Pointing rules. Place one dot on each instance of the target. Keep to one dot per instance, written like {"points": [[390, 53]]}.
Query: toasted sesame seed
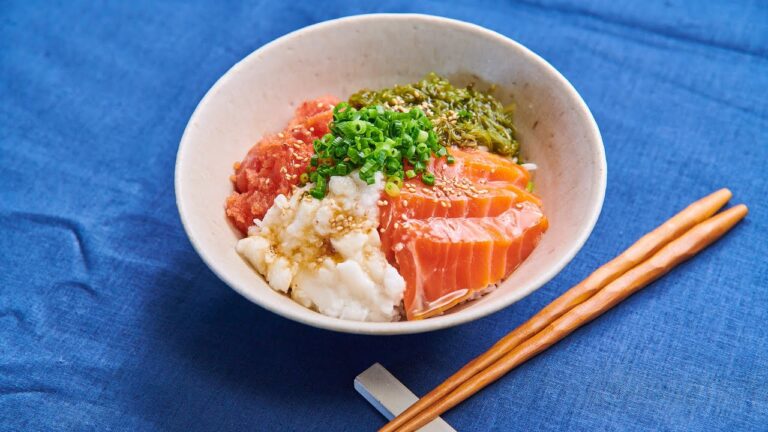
{"points": [[281, 135]]}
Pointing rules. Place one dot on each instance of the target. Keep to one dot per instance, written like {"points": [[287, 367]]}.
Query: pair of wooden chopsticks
{"points": [[655, 254]]}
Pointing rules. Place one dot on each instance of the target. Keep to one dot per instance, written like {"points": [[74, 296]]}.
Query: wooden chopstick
{"points": [[635, 254], [677, 251]]}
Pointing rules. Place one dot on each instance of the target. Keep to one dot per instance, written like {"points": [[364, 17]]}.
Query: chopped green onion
{"points": [[341, 169], [529, 186], [304, 178], [374, 139], [428, 179], [392, 189]]}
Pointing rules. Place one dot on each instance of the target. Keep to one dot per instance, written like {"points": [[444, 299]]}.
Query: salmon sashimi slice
{"points": [[481, 166], [463, 235], [418, 201], [446, 260]]}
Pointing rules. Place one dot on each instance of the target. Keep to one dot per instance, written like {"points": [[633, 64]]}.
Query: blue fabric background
{"points": [[110, 321]]}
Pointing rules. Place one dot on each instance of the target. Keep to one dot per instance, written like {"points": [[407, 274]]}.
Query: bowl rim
{"points": [[481, 310]]}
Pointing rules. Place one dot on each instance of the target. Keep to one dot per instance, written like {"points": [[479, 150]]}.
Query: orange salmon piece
{"points": [[446, 260]]}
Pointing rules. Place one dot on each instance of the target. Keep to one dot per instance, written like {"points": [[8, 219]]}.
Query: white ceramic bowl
{"points": [[258, 95]]}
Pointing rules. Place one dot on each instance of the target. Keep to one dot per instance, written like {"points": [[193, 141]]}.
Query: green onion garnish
{"points": [[373, 139], [391, 189], [529, 186], [428, 179]]}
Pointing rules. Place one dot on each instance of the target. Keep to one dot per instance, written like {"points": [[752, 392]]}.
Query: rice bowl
{"points": [[570, 151]]}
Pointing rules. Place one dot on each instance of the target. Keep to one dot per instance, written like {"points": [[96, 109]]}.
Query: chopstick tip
{"points": [[731, 216], [743, 210], [726, 193]]}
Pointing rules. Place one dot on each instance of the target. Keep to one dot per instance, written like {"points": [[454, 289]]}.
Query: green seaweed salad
{"points": [[464, 117]]}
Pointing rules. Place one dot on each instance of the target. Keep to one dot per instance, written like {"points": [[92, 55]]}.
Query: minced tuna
{"points": [[273, 166]]}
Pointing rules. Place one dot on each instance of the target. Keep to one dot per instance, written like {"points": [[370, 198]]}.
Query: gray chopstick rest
{"points": [[390, 397]]}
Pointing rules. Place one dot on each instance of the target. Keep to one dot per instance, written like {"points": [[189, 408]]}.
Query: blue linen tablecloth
{"points": [[110, 321]]}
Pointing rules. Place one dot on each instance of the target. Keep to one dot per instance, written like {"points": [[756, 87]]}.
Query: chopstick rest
{"points": [[390, 397]]}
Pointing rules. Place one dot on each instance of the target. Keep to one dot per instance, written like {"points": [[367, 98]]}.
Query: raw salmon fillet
{"points": [[480, 166], [274, 164], [465, 234]]}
